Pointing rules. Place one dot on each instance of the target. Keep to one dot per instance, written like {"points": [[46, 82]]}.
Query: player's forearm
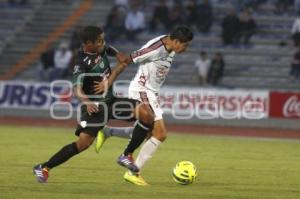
{"points": [[116, 72], [81, 95], [123, 58], [104, 85]]}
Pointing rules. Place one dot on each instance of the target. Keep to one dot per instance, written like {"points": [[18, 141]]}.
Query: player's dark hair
{"points": [[182, 33], [90, 33]]}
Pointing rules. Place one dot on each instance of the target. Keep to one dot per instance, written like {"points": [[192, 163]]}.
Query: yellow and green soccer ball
{"points": [[184, 173]]}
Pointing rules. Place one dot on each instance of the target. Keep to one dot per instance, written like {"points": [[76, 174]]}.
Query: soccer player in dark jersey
{"points": [[91, 67]]}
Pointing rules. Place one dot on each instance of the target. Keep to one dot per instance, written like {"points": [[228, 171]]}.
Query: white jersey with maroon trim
{"points": [[154, 64]]}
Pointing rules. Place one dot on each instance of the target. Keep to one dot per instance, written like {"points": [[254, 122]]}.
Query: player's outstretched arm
{"points": [[100, 87], [123, 58]]}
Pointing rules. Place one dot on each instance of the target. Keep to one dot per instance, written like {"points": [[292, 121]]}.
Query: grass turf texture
{"points": [[228, 168]]}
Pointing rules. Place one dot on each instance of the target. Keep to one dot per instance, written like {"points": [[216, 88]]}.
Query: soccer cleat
{"points": [[100, 140], [136, 179], [128, 162], [41, 174]]}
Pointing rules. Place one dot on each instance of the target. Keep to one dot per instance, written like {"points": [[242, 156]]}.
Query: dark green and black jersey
{"points": [[92, 67]]}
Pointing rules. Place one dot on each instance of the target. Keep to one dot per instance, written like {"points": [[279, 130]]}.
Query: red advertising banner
{"points": [[284, 105]]}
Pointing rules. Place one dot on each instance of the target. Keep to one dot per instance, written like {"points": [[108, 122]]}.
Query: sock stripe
{"points": [[153, 142], [143, 126]]}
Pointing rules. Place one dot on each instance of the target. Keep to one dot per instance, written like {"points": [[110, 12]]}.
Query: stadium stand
{"points": [[265, 64], [13, 18], [35, 35]]}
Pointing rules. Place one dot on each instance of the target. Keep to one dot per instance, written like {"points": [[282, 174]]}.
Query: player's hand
{"points": [[100, 87], [123, 58], [92, 108]]}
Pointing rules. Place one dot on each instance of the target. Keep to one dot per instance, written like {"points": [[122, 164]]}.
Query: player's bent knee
{"points": [[83, 146], [162, 136], [84, 142], [80, 146]]}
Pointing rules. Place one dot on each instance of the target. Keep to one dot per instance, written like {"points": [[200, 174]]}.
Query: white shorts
{"points": [[148, 97]]}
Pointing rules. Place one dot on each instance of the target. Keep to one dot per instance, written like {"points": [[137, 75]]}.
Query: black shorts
{"points": [[119, 108]]}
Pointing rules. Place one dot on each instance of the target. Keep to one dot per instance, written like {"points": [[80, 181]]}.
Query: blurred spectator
{"points": [[115, 23], [47, 64], [247, 27], [202, 64], [216, 69], [295, 66], [204, 16], [160, 16], [75, 42], [296, 31], [134, 23], [62, 59], [176, 16], [230, 28]]}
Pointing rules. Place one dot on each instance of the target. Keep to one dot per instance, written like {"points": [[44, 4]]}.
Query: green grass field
{"points": [[228, 168]]}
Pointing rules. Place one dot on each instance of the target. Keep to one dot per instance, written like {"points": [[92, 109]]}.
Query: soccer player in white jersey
{"points": [[154, 60]]}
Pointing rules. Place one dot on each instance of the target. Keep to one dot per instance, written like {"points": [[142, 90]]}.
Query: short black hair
{"points": [[182, 33], [90, 33]]}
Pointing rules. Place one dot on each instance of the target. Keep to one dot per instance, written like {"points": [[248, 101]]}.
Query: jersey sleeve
{"points": [[146, 54], [111, 50], [77, 78]]}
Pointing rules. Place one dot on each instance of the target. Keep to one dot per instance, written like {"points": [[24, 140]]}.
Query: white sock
{"points": [[123, 132], [147, 151]]}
